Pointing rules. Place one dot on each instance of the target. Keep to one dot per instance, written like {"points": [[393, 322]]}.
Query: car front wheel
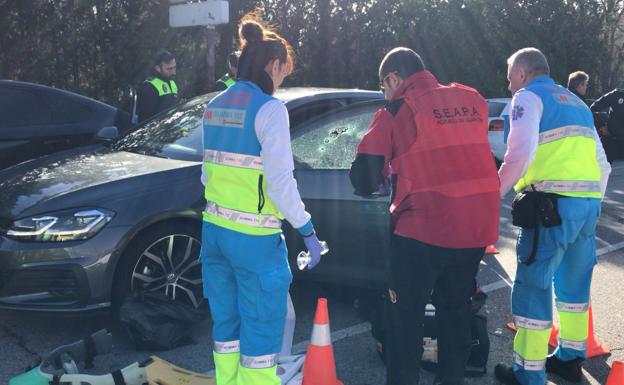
{"points": [[166, 260]]}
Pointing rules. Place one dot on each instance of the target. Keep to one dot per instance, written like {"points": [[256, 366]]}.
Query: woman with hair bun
{"points": [[249, 190]]}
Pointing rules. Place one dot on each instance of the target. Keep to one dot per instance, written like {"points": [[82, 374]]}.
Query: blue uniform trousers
{"points": [[566, 255], [246, 280]]}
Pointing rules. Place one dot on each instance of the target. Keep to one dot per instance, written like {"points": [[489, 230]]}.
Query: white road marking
{"points": [[490, 287], [609, 248], [336, 336]]}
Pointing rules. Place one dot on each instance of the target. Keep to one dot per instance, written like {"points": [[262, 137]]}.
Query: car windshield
{"points": [[495, 108], [175, 135]]}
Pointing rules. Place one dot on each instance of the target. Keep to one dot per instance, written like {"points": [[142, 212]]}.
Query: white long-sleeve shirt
{"points": [[526, 113], [273, 132]]}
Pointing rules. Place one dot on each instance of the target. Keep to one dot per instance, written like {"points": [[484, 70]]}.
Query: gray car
{"points": [[81, 228]]}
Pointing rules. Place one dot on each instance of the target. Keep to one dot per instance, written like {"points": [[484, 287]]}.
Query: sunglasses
{"points": [[381, 84]]}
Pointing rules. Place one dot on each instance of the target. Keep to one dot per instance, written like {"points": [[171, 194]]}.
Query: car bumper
{"points": [[58, 277]]}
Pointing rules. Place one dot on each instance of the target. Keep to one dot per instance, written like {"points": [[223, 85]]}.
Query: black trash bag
{"points": [[479, 352], [156, 322]]}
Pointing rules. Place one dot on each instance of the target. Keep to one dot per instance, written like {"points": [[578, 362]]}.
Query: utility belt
{"points": [[530, 209]]}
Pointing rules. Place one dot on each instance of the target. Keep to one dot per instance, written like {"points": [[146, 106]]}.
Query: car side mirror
{"points": [[106, 134]]}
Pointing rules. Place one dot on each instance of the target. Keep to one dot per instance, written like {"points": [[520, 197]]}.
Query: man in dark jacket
{"points": [[612, 135], [431, 141], [158, 92], [577, 84]]}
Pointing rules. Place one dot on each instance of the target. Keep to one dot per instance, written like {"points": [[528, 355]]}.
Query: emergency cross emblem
{"points": [[517, 112]]}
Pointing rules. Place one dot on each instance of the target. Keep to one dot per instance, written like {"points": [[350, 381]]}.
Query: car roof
{"points": [[500, 100], [290, 93], [52, 91]]}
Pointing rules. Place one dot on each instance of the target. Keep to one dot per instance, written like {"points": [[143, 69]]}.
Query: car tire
{"points": [[164, 258]]}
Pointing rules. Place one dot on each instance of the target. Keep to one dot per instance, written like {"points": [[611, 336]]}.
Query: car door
{"points": [[355, 227]]}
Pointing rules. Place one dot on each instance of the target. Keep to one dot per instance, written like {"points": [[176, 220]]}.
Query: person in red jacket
{"points": [[431, 142]]}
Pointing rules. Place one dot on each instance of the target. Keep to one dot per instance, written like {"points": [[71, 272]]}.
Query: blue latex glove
{"points": [[314, 248]]}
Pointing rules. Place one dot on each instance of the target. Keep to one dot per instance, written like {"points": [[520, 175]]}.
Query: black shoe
{"points": [[568, 370], [504, 374]]}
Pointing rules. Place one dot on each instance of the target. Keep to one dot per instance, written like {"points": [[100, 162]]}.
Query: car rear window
{"points": [[22, 108], [495, 109]]}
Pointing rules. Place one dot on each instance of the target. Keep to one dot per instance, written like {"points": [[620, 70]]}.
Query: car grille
{"points": [[58, 283]]}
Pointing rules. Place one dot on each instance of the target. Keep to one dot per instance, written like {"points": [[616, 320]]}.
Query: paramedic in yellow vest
{"points": [[249, 189], [159, 91], [553, 148]]}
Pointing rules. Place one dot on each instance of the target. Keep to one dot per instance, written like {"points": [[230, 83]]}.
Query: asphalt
{"points": [[24, 337]]}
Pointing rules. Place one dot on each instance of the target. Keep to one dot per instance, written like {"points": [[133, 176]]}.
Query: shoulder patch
{"points": [[394, 106]]}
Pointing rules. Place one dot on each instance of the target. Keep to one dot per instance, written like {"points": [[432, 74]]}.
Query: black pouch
{"points": [[532, 208], [524, 210]]}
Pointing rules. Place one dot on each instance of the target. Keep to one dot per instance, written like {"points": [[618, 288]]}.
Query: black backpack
{"points": [[477, 361], [156, 322]]}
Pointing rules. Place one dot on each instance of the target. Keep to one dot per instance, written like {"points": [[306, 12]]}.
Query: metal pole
{"points": [[211, 38]]}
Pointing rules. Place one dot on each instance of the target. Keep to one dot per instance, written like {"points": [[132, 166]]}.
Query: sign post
{"points": [[208, 13]]}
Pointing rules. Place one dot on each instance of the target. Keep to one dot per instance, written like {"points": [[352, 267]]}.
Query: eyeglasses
{"points": [[381, 84]]}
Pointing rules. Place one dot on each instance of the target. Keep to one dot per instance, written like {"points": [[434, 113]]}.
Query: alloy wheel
{"points": [[171, 265]]}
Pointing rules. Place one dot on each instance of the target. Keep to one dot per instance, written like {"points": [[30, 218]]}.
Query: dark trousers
{"points": [[613, 147], [415, 270]]}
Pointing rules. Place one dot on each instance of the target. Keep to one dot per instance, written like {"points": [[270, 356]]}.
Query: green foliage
{"points": [[100, 47]]}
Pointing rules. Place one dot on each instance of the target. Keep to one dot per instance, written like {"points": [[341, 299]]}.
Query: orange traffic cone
{"points": [[319, 367], [594, 347], [616, 375], [554, 334], [491, 250]]}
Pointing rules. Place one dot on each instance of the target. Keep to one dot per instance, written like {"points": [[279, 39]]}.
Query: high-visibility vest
{"points": [[235, 188], [163, 87], [451, 154], [227, 80], [565, 161]]}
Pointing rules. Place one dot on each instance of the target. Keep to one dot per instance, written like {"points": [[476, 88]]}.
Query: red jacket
{"points": [[435, 139]]}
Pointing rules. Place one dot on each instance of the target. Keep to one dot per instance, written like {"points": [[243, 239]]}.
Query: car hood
{"points": [[35, 182]]}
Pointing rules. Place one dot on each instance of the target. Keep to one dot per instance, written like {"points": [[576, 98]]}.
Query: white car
{"points": [[498, 113]]}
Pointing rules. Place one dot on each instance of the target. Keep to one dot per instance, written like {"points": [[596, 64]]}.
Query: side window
{"points": [[308, 111], [330, 141], [22, 108], [67, 110]]}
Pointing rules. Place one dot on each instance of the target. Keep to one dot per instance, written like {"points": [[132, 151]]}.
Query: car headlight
{"points": [[61, 226]]}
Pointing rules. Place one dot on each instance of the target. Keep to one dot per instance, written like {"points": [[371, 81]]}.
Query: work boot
{"points": [[568, 370], [504, 374]]}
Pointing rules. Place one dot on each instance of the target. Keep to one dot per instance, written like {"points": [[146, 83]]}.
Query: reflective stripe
{"points": [[227, 347], [259, 362], [529, 365], [255, 220], [565, 132], [233, 159], [532, 324], [569, 186], [576, 345], [321, 335], [572, 307]]}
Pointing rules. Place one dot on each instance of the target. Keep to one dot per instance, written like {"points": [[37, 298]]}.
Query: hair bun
{"points": [[251, 31]]}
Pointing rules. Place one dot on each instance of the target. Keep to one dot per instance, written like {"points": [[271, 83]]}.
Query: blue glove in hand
{"points": [[314, 248]]}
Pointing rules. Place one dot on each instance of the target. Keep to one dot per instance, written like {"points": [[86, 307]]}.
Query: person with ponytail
{"points": [[249, 189]]}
